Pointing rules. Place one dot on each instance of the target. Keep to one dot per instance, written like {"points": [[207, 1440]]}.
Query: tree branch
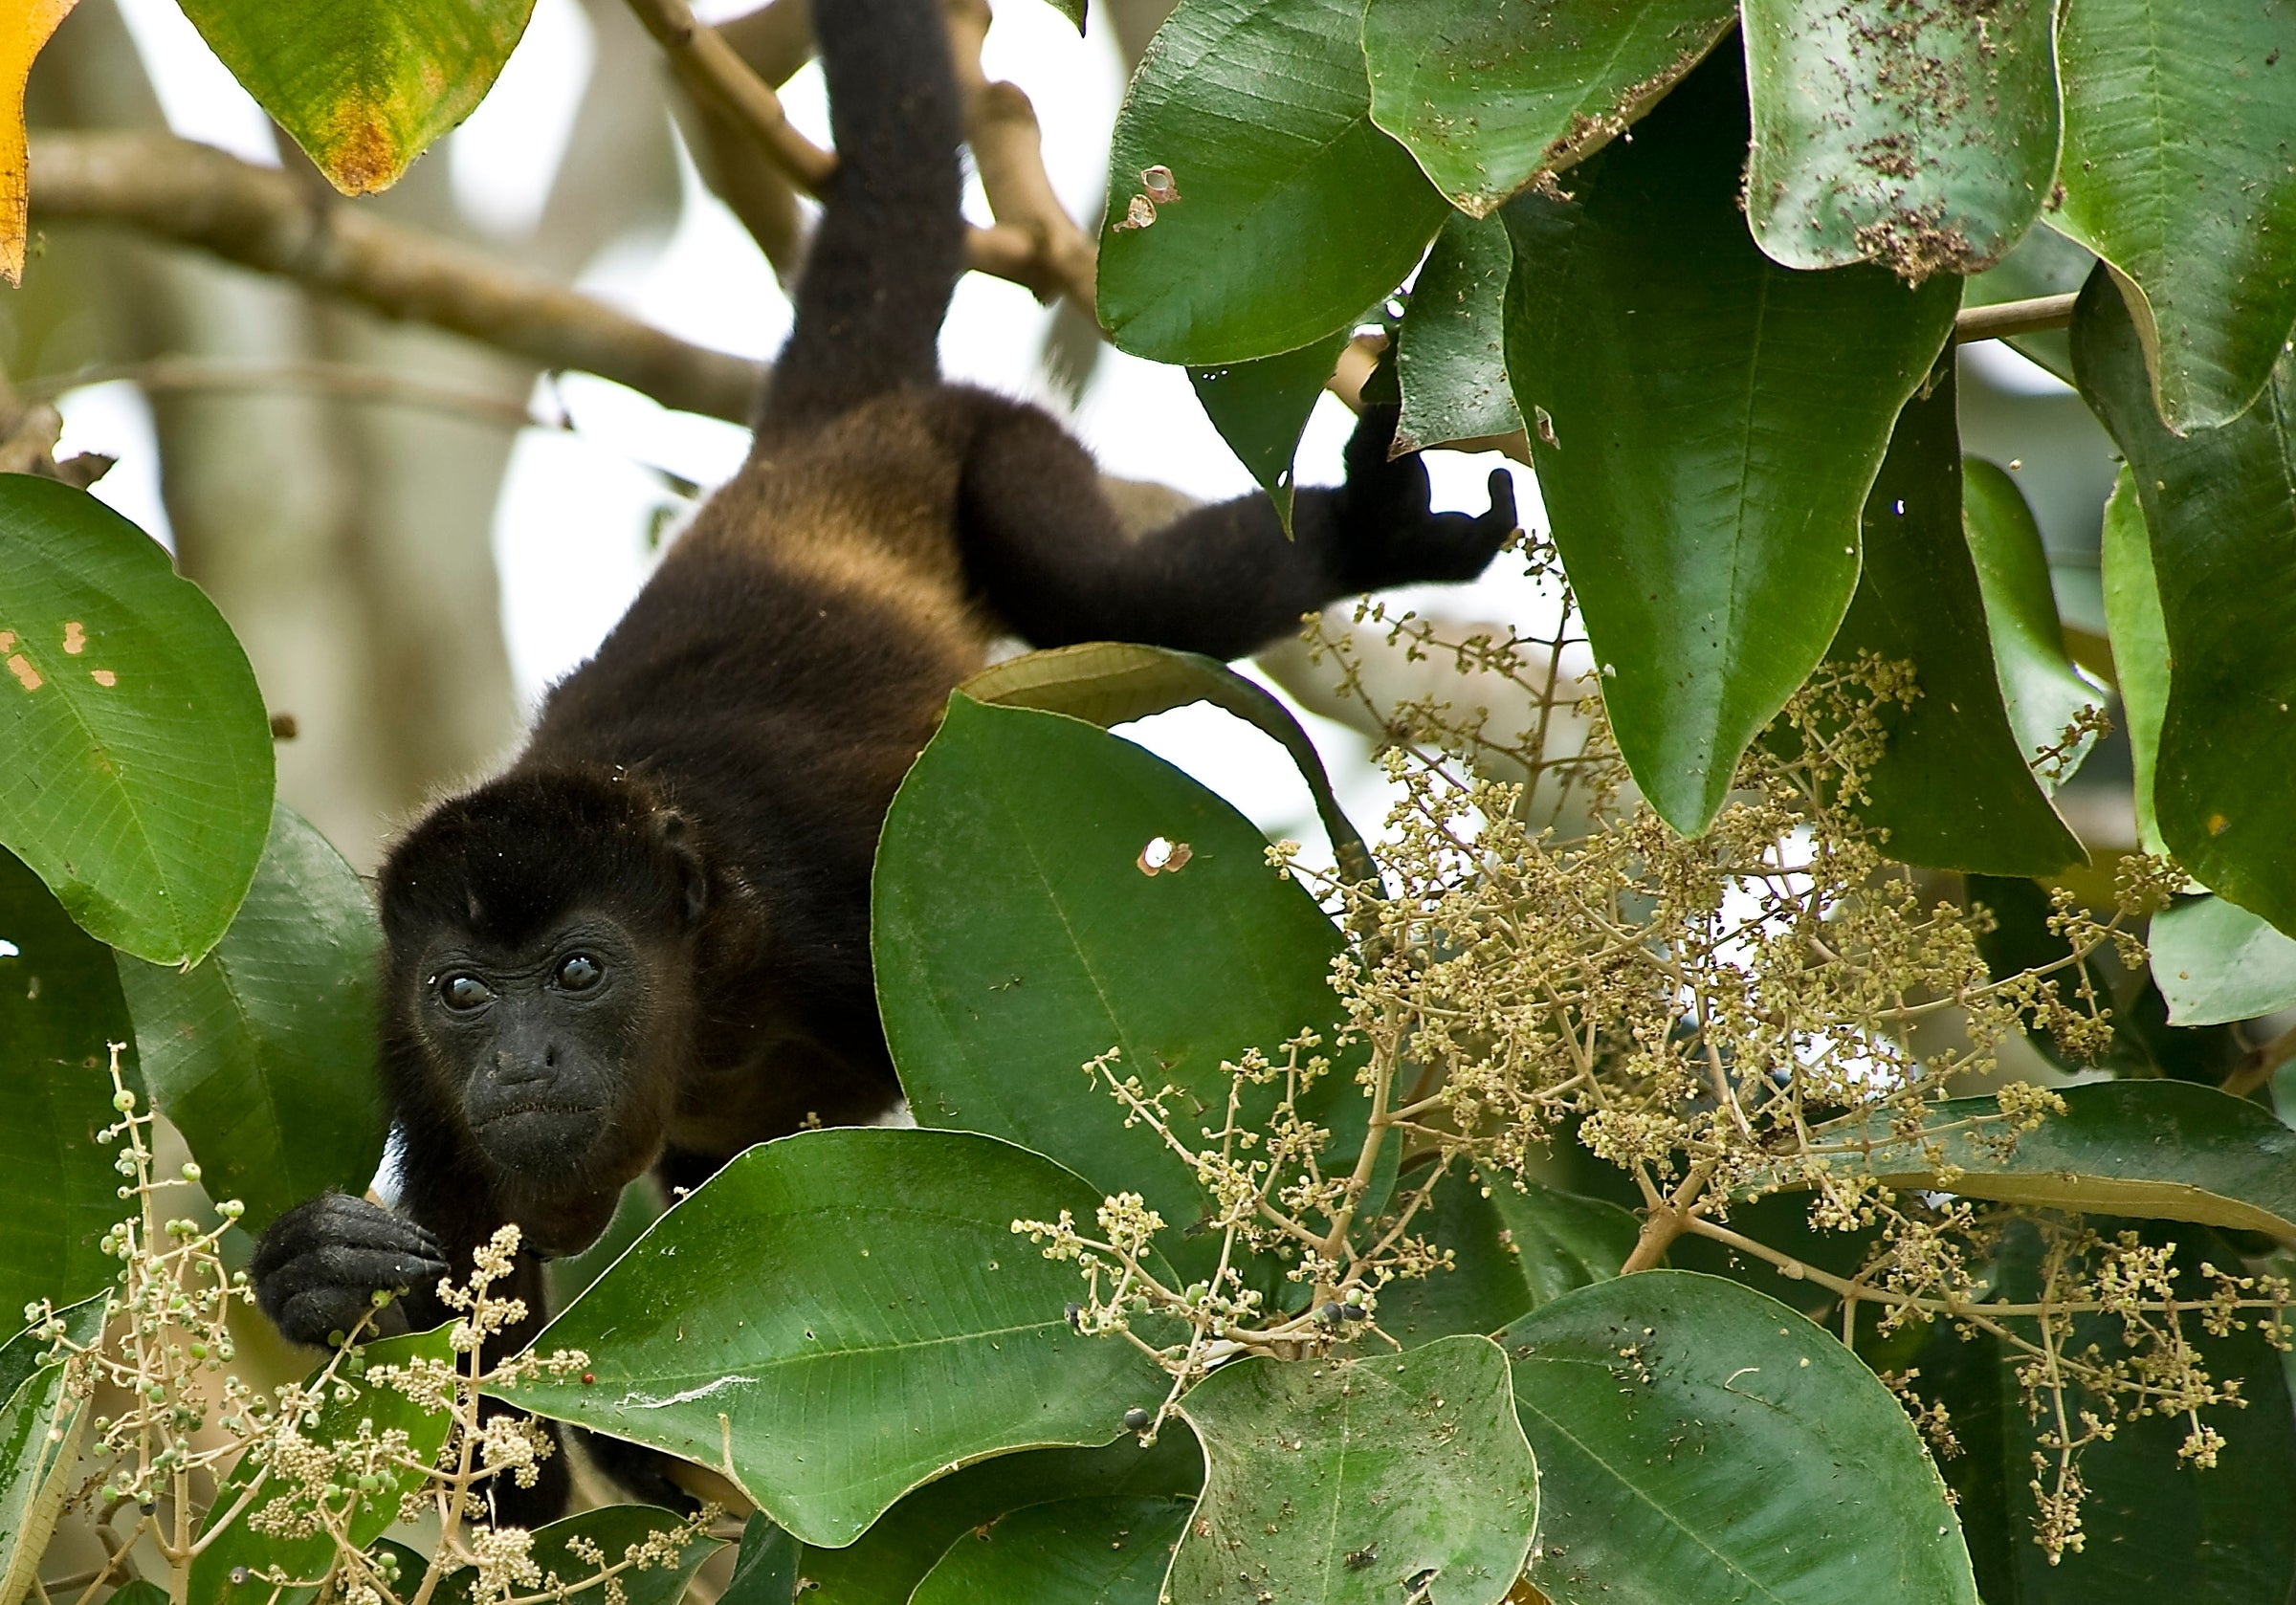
{"points": [[261, 219], [711, 69], [2004, 318]]}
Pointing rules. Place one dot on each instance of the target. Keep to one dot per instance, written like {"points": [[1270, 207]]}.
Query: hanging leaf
{"points": [[1355, 1481], [1451, 347], [1252, 207], [2221, 513], [1261, 410], [1706, 424], [837, 1317], [24, 29], [2140, 644], [2177, 125], [41, 1425], [1923, 138], [1698, 1440], [1489, 96], [363, 86], [1951, 786], [765, 1567], [2043, 693], [1074, 1551], [264, 1055], [137, 783], [1514, 1249], [2215, 962], [59, 1007]]}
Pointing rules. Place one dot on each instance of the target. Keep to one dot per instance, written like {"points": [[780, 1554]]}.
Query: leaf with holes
{"points": [[1660, 1403], [842, 1315], [1362, 1480], [137, 783], [1489, 96], [1706, 424], [1253, 207], [264, 1055], [1921, 137], [363, 86]]}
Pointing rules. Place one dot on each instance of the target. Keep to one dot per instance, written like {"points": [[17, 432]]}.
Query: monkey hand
{"points": [[318, 1266], [1387, 534]]}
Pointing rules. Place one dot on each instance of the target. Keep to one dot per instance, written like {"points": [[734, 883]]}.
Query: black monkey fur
{"points": [[645, 945]]}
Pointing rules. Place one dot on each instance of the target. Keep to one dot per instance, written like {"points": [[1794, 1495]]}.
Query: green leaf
{"points": [[2140, 643], [1252, 207], [137, 783], [1951, 786], [1451, 347], [1113, 682], [1489, 96], [1513, 1247], [2177, 126], [1349, 1481], [639, 1207], [2041, 688], [839, 1317], [1070, 948], [1700, 1442], [59, 1007], [1704, 425], [362, 1517], [1078, 1552], [1261, 408], [2215, 962], [888, 1562], [2157, 1527], [765, 1568], [264, 1056], [2165, 1150], [40, 1428], [1923, 138], [2221, 511], [617, 1529], [363, 86]]}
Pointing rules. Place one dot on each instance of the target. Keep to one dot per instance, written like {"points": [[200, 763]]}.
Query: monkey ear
{"points": [[676, 838]]}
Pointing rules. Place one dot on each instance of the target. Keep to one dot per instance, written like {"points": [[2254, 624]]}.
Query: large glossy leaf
{"points": [[836, 1317], [1451, 347], [1489, 96], [1700, 1442], [362, 1516], [1951, 786], [264, 1055], [1920, 136], [2042, 690], [2167, 1150], [2157, 1527], [40, 1428], [137, 775], [1354, 1482], [765, 1567], [2140, 644], [363, 86], [1069, 947], [2215, 962], [1078, 1552], [888, 1562], [2177, 126], [2221, 506], [1252, 207], [1113, 682], [59, 1008], [1261, 410], [1514, 1249], [617, 1530], [24, 29], [1706, 424]]}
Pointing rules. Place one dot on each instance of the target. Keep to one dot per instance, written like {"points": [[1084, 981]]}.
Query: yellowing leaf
{"points": [[25, 26]]}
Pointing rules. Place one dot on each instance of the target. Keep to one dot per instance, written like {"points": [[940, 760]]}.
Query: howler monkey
{"points": [[646, 944]]}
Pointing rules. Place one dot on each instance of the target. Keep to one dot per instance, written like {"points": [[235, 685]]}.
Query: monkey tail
{"points": [[890, 244]]}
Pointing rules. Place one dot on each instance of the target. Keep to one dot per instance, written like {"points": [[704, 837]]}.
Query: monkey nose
{"points": [[518, 1068]]}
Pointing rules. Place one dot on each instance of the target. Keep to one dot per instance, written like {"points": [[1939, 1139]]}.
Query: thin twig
{"points": [[2005, 318], [2257, 1064], [711, 68]]}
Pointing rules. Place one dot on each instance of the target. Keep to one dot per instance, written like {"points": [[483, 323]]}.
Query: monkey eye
{"points": [[464, 992], [580, 972]]}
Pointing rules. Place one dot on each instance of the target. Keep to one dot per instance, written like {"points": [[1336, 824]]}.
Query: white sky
{"points": [[571, 526]]}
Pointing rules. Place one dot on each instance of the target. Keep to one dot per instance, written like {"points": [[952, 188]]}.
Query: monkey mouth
{"points": [[540, 1142]]}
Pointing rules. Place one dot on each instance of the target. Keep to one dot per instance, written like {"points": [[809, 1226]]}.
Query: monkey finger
{"points": [[1501, 486], [317, 1314]]}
